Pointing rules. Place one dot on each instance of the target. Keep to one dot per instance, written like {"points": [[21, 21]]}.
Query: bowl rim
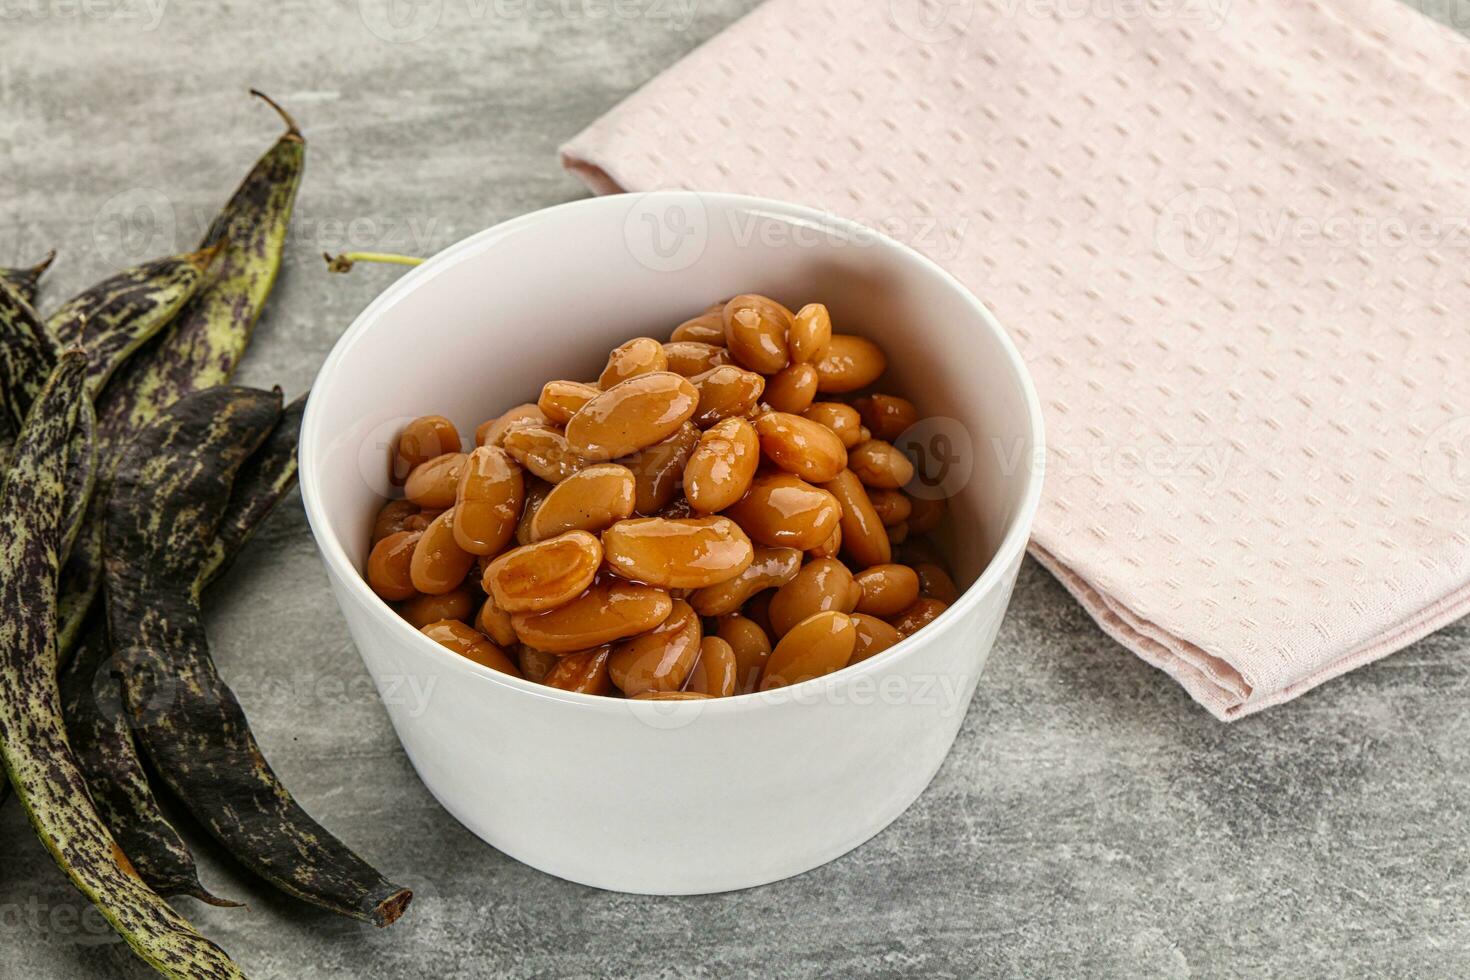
{"points": [[1012, 544]]}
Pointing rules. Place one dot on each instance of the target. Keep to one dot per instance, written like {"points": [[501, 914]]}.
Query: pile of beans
{"points": [[693, 523]]}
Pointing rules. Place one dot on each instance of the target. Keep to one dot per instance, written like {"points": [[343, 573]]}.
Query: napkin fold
{"points": [[1232, 240]]}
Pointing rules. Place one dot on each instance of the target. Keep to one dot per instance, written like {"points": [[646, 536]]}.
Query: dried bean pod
{"points": [[82, 574], [121, 313], [37, 757], [200, 348], [25, 281], [168, 498], [108, 756], [266, 477], [81, 477], [97, 727], [26, 356]]}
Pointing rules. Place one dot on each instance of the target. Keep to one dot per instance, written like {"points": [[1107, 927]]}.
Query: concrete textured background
{"points": [[1091, 819]]}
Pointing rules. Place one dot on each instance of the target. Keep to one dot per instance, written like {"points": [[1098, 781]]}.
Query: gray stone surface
{"points": [[1091, 819]]}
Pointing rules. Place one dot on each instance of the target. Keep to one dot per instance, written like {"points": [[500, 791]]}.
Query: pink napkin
{"points": [[1231, 237]]}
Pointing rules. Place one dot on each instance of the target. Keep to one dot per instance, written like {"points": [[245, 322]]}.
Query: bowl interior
{"points": [[483, 325]]}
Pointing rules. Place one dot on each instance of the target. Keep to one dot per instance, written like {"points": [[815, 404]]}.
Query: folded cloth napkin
{"points": [[1231, 238]]}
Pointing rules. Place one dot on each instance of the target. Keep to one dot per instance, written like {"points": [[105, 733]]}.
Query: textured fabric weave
{"points": [[1229, 236]]}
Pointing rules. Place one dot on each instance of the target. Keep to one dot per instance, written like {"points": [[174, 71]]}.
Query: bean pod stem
{"points": [[345, 261]]}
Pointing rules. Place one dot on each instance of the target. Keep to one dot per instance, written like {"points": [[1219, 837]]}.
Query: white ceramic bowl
{"points": [[671, 797]]}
